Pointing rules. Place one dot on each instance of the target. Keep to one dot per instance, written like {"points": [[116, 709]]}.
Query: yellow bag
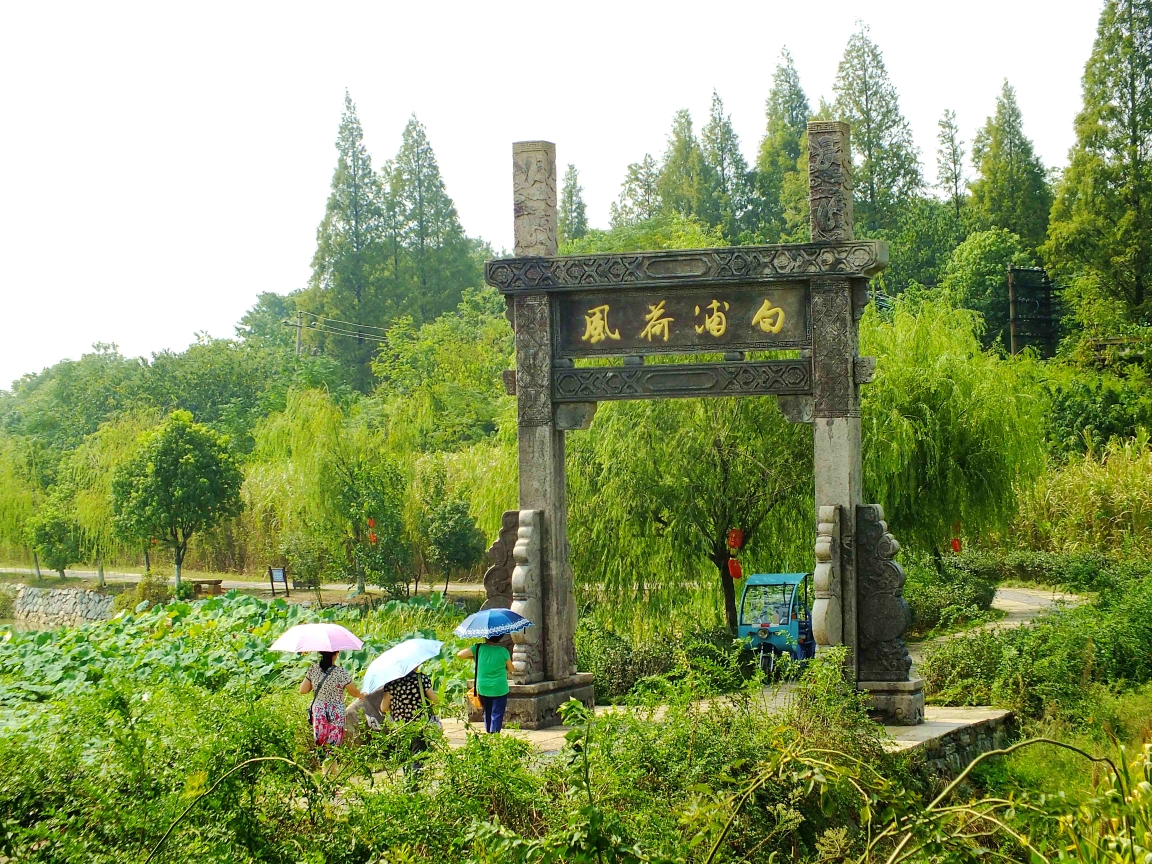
{"points": [[473, 699]]}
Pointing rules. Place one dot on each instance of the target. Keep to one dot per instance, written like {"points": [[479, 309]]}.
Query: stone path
{"points": [[939, 723], [1019, 605]]}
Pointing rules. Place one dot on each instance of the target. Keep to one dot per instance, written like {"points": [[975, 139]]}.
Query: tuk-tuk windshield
{"points": [[766, 604]]}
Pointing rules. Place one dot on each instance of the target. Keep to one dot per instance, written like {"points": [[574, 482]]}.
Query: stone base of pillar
{"points": [[899, 703], [536, 706]]}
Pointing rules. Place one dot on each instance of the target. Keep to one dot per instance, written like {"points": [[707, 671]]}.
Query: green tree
{"points": [[51, 533], [346, 268], [182, 480], [1101, 228], [438, 261], [639, 194], [950, 167], [886, 171], [976, 277], [728, 169], [656, 486], [787, 112], [573, 217], [921, 243], [950, 430], [685, 184], [1011, 190], [454, 541]]}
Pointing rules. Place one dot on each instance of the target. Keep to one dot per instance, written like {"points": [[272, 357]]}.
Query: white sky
{"points": [[162, 163]]}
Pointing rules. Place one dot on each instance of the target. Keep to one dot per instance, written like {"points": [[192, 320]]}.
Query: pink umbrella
{"points": [[316, 637]]}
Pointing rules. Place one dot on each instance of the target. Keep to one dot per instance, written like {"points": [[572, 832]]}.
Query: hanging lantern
{"points": [[372, 539], [734, 569], [735, 538], [956, 545], [371, 522]]}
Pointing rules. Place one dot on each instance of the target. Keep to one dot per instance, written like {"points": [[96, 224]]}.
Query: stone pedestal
{"points": [[899, 703], [537, 706]]}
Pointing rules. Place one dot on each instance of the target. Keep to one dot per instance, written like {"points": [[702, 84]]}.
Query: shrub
{"points": [[151, 589], [945, 599], [7, 601]]}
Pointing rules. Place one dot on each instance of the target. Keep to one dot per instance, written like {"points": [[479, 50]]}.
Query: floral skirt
{"points": [[328, 724]]}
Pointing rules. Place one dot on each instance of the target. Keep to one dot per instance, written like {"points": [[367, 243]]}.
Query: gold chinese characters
{"points": [[596, 328], [715, 321], [657, 325], [769, 318]]}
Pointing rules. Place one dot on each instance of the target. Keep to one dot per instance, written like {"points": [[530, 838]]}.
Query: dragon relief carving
{"points": [[882, 613]]}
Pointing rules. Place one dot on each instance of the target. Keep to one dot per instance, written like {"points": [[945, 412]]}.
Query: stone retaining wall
{"points": [[53, 607], [948, 754]]}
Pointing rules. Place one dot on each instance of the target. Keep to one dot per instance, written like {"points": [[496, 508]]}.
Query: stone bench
{"points": [[206, 587]]}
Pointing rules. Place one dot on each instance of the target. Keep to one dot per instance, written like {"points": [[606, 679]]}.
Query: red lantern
{"points": [[735, 538], [372, 538], [734, 569], [154, 541], [956, 545], [371, 522]]}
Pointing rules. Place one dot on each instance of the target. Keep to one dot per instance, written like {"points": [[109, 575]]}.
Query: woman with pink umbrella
{"points": [[326, 681]]}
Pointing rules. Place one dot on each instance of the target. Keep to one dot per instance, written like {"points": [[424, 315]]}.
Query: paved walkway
{"points": [[1019, 605], [938, 722]]}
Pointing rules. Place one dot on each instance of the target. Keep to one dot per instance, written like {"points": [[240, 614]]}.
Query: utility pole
{"points": [[299, 329]]}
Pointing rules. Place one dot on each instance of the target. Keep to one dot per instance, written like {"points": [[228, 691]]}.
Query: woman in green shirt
{"points": [[493, 665]]}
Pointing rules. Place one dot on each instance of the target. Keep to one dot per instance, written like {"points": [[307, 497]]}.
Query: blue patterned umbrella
{"points": [[492, 622]]}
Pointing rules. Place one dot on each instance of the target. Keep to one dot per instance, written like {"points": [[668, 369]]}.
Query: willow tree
{"points": [[322, 473], [86, 478], [950, 430], [18, 498], [656, 486]]}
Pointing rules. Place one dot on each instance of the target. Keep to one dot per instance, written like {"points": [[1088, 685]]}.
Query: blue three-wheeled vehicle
{"points": [[775, 617]]}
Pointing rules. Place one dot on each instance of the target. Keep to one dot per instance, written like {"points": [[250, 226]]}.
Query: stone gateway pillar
{"points": [[544, 655], [803, 301]]}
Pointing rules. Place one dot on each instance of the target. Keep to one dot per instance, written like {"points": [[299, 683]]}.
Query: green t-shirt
{"points": [[491, 673]]}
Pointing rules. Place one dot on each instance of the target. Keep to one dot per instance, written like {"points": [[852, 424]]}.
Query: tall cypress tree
{"points": [[886, 170], [346, 265], [639, 193], [787, 112], [440, 259], [950, 165], [573, 216], [1011, 190], [729, 169], [1101, 229], [685, 184]]}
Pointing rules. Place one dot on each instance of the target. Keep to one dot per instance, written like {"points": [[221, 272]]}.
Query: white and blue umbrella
{"points": [[398, 661], [492, 622]]}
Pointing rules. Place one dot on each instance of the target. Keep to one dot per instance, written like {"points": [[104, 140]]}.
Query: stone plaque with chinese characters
{"points": [[684, 321]]}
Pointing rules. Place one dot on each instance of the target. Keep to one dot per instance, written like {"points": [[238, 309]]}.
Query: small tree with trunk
{"points": [[181, 481], [454, 541], [53, 536]]}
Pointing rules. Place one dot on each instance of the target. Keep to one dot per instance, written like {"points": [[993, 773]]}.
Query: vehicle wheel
{"points": [[768, 662]]}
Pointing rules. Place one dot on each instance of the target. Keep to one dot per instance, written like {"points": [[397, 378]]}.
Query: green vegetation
{"points": [[376, 445]]}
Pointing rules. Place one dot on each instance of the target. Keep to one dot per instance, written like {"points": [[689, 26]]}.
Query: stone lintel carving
{"points": [[682, 380], [833, 350], [797, 409], [498, 576], [882, 613], [827, 611], [534, 197], [864, 369], [830, 181], [533, 360], [688, 267], [527, 598], [575, 416]]}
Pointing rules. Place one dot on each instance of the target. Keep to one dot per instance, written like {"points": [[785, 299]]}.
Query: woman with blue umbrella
{"points": [[492, 662]]}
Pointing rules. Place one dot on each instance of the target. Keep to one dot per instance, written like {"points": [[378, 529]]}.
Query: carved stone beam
{"points": [[527, 599]]}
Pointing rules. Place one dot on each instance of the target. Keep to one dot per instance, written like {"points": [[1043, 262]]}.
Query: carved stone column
{"points": [[827, 609], [541, 444], [527, 652], [835, 404], [884, 663]]}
